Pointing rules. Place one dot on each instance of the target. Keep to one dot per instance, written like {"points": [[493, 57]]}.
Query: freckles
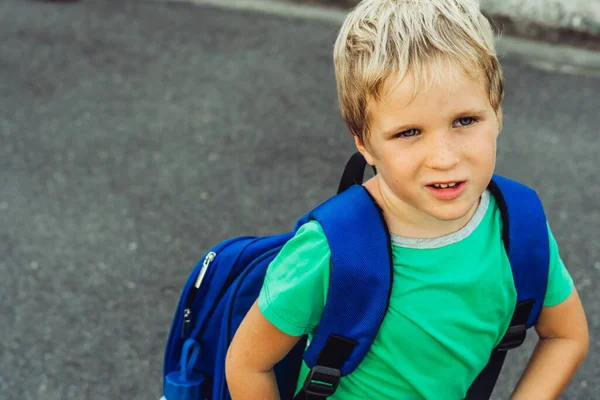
{"points": [[464, 147]]}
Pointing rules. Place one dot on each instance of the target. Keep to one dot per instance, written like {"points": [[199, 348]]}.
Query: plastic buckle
{"points": [[322, 381], [514, 337]]}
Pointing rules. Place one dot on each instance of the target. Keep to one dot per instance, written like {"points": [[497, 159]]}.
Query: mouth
{"points": [[447, 190]]}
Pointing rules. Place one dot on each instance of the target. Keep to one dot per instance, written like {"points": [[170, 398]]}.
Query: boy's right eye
{"points": [[407, 133]]}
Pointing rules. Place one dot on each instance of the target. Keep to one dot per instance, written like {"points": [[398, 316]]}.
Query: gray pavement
{"points": [[133, 136]]}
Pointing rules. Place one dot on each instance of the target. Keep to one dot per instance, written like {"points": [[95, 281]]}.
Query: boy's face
{"points": [[446, 135]]}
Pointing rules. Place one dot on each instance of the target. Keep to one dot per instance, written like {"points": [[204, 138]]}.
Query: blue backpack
{"points": [[227, 281]]}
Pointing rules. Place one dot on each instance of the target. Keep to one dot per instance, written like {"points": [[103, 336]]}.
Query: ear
{"points": [[500, 120], [362, 148]]}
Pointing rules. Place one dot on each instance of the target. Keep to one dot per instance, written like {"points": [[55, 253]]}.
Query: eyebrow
{"points": [[399, 129], [462, 114], [471, 111]]}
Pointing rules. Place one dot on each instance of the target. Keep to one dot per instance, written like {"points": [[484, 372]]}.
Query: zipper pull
{"points": [[187, 312], [209, 258], [187, 319]]}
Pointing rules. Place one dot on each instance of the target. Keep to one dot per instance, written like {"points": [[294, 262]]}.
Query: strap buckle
{"points": [[322, 381], [517, 331], [513, 338]]}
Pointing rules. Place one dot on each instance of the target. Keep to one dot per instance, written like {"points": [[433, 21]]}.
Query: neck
{"points": [[405, 220]]}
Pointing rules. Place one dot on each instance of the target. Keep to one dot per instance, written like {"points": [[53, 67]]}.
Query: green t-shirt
{"points": [[452, 299]]}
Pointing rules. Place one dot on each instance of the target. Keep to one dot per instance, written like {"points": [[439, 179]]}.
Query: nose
{"points": [[444, 151]]}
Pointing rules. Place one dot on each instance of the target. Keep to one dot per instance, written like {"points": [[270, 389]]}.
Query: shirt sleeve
{"points": [[295, 288], [560, 282]]}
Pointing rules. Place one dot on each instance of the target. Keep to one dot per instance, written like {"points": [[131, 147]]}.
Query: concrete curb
{"points": [[508, 25], [569, 22], [551, 57], [573, 23], [577, 15]]}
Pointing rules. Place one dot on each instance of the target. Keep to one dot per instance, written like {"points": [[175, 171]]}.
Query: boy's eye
{"points": [[408, 133], [464, 121]]}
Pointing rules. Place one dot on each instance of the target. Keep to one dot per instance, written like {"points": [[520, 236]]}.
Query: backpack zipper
{"points": [[187, 312]]}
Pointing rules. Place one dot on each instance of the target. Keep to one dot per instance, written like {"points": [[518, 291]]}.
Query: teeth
{"points": [[445, 185]]}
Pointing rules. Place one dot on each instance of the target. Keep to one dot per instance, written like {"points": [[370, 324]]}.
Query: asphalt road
{"points": [[134, 135]]}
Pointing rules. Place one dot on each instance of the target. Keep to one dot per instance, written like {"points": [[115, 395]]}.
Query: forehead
{"points": [[439, 89]]}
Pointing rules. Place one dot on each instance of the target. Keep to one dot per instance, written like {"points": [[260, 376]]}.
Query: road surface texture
{"points": [[135, 135]]}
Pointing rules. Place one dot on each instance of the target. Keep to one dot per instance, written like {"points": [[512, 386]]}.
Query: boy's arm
{"points": [[290, 305], [563, 344], [256, 347]]}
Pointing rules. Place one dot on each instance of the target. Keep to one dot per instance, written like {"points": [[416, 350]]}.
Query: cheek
{"points": [[481, 146], [399, 168]]}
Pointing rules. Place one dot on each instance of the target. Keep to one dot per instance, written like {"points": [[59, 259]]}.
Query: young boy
{"points": [[420, 88]]}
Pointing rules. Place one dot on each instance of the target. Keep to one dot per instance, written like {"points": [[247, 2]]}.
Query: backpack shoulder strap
{"points": [[359, 288], [525, 238]]}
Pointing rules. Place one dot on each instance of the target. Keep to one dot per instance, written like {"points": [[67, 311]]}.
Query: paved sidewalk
{"points": [[134, 135]]}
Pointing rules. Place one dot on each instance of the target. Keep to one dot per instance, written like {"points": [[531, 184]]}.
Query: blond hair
{"points": [[384, 38]]}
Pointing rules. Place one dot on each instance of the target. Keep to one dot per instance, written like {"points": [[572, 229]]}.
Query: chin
{"points": [[453, 212]]}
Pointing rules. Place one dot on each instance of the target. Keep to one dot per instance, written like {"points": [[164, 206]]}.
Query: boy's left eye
{"points": [[464, 121]]}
